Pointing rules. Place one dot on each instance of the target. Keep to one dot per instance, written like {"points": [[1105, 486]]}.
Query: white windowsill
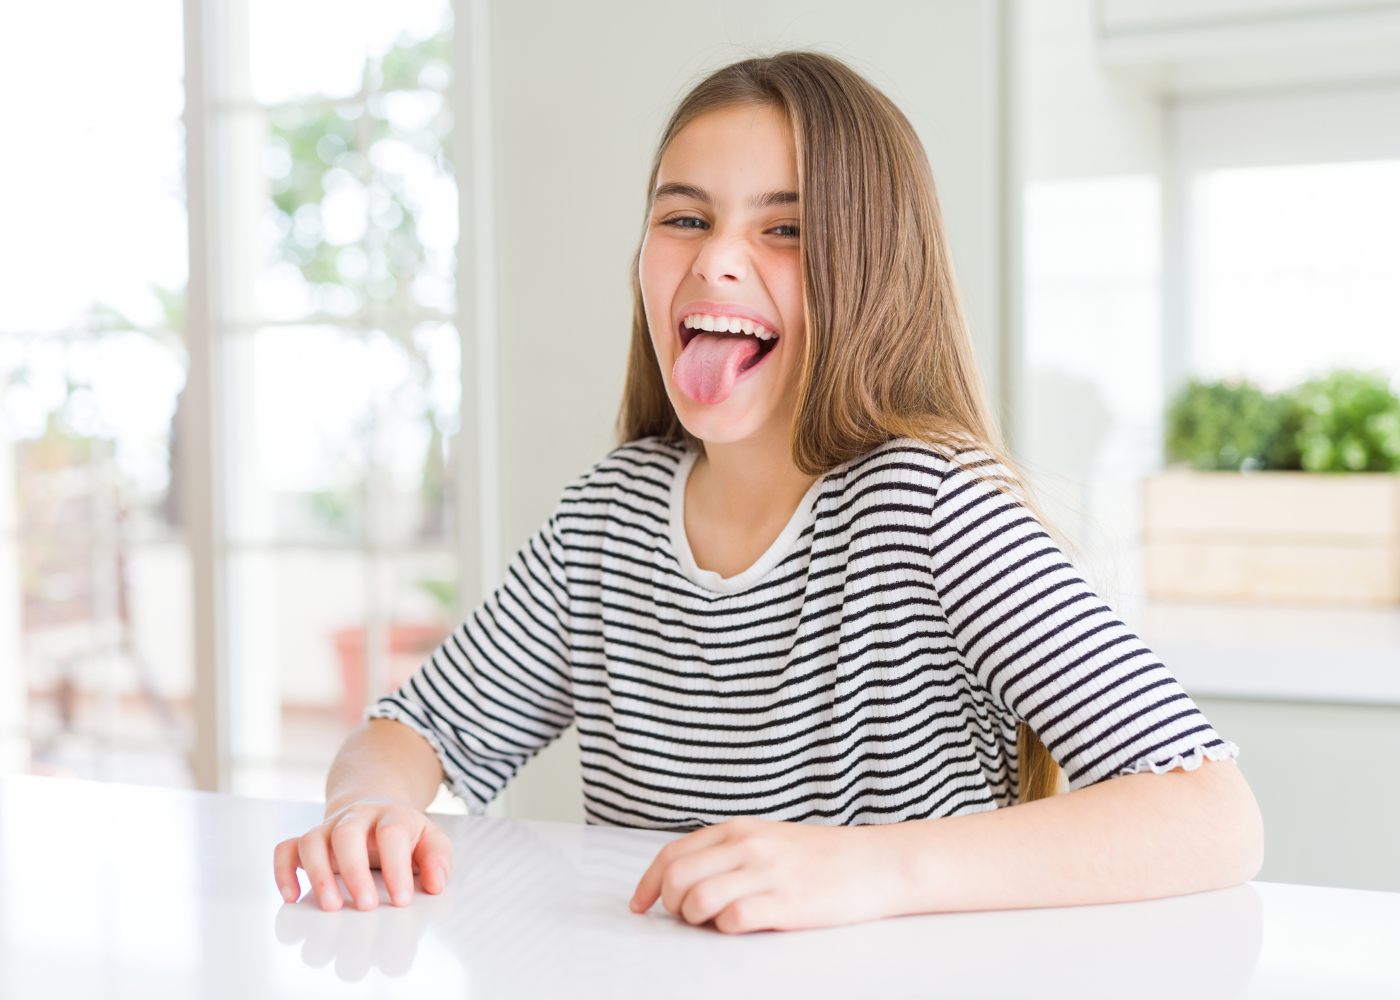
{"points": [[1287, 652]]}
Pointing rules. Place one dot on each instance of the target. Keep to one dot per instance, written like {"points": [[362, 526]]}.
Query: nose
{"points": [[722, 257]]}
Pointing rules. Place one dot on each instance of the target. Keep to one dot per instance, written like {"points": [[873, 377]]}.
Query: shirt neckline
{"points": [[709, 579]]}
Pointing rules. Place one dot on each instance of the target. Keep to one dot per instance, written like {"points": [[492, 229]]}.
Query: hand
{"points": [[387, 834], [751, 874]]}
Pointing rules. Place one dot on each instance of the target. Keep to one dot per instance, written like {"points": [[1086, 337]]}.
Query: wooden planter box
{"points": [[1273, 537]]}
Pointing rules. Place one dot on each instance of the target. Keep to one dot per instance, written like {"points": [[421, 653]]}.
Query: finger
{"points": [[316, 859], [758, 912], [709, 897], [348, 840], [284, 869], [649, 886], [395, 840], [434, 857], [688, 873]]}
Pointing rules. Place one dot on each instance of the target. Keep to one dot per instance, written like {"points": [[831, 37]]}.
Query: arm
{"points": [[1137, 836], [490, 696], [381, 780], [498, 689], [383, 759]]}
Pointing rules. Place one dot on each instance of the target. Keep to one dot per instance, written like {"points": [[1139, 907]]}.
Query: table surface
{"points": [[118, 890]]}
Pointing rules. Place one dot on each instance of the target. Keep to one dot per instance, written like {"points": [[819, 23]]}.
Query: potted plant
{"points": [[1285, 497]]}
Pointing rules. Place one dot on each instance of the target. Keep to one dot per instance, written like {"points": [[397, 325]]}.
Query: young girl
{"points": [[806, 609]]}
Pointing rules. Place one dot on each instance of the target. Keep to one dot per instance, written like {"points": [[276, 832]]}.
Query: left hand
{"points": [[751, 874]]}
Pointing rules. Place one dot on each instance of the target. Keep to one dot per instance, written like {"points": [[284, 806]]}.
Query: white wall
{"points": [[581, 92], [1084, 367]]}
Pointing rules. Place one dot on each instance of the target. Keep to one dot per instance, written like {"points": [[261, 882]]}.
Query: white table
{"points": [[112, 890]]}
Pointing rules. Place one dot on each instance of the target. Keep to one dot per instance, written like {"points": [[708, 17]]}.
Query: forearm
{"points": [[1139, 836], [384, 759]]}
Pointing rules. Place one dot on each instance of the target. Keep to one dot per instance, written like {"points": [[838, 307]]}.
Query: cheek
{"points": [[660, 271], [663, 263]]}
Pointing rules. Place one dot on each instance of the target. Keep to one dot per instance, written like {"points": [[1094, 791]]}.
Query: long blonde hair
{"points": [[887, 351]]}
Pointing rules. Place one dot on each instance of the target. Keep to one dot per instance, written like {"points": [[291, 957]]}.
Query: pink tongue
{"points": [[708, 366]]}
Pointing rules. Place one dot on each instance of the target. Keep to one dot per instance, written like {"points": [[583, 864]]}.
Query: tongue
{"points": [[710, 363]]}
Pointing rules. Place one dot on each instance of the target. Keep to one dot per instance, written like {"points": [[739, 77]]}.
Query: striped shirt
{"points": [[870, 667]]}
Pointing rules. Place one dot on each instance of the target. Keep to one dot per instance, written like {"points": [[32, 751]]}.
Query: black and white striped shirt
{"points": [[870, 667]]}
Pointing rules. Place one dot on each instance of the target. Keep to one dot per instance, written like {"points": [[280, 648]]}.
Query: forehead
{"points": [[743, 146]]}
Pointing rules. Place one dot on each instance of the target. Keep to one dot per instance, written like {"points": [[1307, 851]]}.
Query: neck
{"points": [[750, 481]]}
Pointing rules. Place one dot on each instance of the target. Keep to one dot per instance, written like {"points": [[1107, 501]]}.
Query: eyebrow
{"points": [[675, 189]]}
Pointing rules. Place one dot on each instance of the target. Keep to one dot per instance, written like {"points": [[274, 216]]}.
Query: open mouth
{"points": [[765, 347]]}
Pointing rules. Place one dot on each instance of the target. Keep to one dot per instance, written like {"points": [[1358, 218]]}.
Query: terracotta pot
{"points": [[410, 644]]}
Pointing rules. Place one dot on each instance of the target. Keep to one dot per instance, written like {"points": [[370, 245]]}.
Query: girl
{"points": [[806, 609]]}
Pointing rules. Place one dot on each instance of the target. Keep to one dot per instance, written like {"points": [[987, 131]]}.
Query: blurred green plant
{"points": [[1350, 422], [1342, 421], [1231, 424]]}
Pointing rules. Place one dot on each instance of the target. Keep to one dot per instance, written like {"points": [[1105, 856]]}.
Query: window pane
{"points": [[301, 401], [361, 209], [419, 418], [307, 659], [105, 651], [1293, 270], [96, 574], [357, 208], [341, 427], [316, 216], [342, 368], [413, 202], [95, 414], [337, 48], [91, 180]]}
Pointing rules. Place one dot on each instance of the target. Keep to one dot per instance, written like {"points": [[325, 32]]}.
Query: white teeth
{"points": [[727, 324]]}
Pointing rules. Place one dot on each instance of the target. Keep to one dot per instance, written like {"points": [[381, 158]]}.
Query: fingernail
{"points": [[441, 876], [365, 902]]}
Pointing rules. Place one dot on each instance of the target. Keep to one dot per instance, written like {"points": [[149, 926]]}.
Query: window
{"points": [[1291, 234], [94, 570], [331, 211], [339, 355]]}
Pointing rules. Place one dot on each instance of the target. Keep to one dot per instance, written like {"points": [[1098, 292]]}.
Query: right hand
{"points": [[387, 834]]}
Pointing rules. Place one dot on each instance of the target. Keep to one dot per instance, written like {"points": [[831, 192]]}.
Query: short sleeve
{"points": [[1045, 647], [497, 690]]}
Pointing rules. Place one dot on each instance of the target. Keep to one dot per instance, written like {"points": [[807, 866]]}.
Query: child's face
{"points": [[734, 254]]}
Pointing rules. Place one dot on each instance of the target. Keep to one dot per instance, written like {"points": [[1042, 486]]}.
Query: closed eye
{"points": [[795, 234]]}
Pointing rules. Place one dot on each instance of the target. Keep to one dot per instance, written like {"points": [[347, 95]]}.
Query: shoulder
{"points": [[935, 459], [939, 469], [644, 463]]}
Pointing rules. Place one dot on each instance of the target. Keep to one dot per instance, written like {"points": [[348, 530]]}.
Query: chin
{"points": [[712, 425]]}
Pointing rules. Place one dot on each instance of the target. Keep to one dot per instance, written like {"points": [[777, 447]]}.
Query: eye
{"points": [[676, 223]]}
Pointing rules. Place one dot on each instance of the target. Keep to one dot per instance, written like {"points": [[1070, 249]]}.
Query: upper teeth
{"points": [[727, 324]]}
